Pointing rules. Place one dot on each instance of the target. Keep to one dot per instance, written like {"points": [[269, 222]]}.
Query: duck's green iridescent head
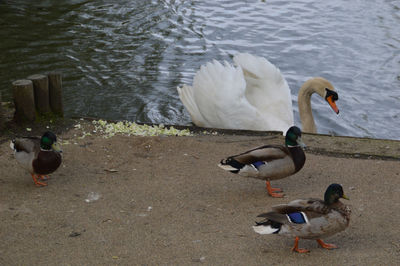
{"points": [[333, 193], [293, 137], [49, 141]]}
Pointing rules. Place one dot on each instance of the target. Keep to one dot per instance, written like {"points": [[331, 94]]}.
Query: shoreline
{"points": [[323, 144]]}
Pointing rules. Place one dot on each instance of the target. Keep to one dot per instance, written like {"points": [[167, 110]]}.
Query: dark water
{"points": [[124, 59]]}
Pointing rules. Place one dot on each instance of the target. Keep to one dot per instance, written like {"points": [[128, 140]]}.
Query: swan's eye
{"points": [[332, 93]]}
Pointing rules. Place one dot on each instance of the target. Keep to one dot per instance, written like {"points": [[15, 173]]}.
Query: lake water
{"points": [[122, 60]]}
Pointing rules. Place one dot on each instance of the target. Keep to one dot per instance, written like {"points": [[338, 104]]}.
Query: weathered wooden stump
{"points": [[2, 119], [55, 93], [24, 101], [41, 93]]}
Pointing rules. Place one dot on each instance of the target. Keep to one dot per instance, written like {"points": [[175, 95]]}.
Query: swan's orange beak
{"points": [[332, 103]]}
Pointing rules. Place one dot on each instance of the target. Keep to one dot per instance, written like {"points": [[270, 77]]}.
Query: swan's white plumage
{"points": [[251, 95]]}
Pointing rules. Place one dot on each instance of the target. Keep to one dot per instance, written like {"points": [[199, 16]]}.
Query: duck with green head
{"points": [[39, 156], [308, 218], [270, 162]]}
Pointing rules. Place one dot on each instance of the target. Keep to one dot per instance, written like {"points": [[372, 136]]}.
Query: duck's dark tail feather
{"points": [[231, 165], [267, 227]]}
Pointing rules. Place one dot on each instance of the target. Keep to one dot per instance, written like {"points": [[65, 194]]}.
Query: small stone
{"points": [[75, 234]]}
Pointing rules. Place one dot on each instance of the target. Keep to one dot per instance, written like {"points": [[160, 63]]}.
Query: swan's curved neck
{"points": [[304, 101]]}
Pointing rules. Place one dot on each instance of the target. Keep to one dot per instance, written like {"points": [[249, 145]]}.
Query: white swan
{"points": [[253, 95]]}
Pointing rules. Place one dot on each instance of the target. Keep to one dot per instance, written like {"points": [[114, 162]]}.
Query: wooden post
{"points": [[55, 93], [41, 92], [24, 101], [1, 114]]}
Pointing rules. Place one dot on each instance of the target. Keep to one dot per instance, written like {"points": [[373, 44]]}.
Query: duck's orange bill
{"points": [[332, 104]]}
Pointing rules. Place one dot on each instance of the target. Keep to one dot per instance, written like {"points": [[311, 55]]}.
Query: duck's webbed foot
{"points": [[296, 247], [326, 245], [37, 182], [273, 192]]}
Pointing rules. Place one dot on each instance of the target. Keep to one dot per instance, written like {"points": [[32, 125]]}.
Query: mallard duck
{"points": [[270, 162], [308, 218], [39, 156], [254, 95]]}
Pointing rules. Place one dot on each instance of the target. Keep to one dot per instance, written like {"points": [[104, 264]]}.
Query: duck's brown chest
{"points": [[298, 156], [46, 162]]}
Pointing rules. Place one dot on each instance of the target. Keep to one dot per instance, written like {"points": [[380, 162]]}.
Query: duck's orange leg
{"points": [[272, 191], [37, 182], [326, 245], [296, 246]]}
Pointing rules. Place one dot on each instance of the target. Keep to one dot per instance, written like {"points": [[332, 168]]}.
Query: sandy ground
{"points": [[163, 200]]}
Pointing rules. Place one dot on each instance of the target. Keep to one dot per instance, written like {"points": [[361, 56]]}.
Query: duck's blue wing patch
{"points": [[258, 164], [297, 218]]}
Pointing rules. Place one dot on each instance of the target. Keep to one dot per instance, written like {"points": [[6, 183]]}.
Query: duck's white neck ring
{"points": [[293, 146]]}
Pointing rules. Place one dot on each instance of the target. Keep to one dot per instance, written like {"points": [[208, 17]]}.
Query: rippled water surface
{"points": [[124, 59]]}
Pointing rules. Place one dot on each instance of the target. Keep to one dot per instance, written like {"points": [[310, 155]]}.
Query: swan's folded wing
{"points": [[267, 89], [265, 153], [219, 93]]}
